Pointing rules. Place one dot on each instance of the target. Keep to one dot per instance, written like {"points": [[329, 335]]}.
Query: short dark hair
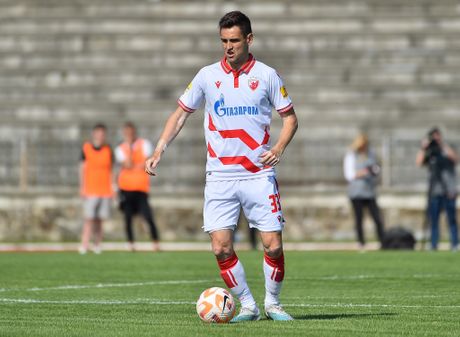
{"points": [[433, 130], [99, 126], [130, 125], [236, 18]]}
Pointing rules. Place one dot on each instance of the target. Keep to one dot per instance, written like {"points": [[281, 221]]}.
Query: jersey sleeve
{"points": [[349, 169], [147, 148], [119, 155], [278, 94], [193, 96]]}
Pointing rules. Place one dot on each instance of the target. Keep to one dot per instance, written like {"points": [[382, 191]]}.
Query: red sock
{"points": [[276, 266], [226, 270], [274, 276]]}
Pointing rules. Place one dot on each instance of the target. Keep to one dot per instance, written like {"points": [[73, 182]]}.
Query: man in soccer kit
{"points": [[239, 93], [95, 186]]}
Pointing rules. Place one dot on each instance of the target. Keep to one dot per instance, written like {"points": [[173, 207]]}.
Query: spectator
{"points": [[440, 158], [361, 171], [134, 183], [95, 186]]}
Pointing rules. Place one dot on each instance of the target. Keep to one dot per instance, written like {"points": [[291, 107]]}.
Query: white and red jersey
{"points": [[238, 113]]}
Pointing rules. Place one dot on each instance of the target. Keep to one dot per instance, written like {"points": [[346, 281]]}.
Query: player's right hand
{"points": [[151, 164]]}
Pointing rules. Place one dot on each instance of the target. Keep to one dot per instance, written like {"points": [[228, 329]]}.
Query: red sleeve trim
{"points": [[186, 108], [286, 109]]}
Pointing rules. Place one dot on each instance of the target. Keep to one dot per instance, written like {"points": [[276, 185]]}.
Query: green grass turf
{"points": [[329, 294]]}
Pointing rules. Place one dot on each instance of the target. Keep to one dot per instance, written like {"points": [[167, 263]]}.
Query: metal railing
{"points": [[47, 164]]}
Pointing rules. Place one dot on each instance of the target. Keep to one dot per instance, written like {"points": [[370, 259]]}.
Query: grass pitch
{"points": [[146, 294]]}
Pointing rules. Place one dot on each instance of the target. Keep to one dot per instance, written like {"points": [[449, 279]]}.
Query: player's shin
{"points": [[274, 275], [233, 274]]}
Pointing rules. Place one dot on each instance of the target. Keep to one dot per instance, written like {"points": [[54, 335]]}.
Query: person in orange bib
{"points": [[134, 183], [95, 186]]}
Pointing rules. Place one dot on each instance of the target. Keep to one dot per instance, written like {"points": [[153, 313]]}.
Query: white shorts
{"points": [[97, 208], [258, 197]]}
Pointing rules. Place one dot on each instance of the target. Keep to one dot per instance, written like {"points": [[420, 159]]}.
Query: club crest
{"points": [[253, 83]]}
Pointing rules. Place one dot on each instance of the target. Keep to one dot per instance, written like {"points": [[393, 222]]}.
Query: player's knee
{"points": [[222, 251], [274, 251]]}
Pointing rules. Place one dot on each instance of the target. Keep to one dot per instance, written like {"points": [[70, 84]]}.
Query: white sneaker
{"points": [[246, 315], [131, 247], [97, 250], [277, 313], [82, 250]]}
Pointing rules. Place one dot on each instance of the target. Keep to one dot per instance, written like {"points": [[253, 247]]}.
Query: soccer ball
{"points": [[215, 305]]}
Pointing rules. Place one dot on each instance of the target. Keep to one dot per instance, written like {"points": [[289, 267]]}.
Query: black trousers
{"points": [[132, 203], [253, 238], [358, 208]]}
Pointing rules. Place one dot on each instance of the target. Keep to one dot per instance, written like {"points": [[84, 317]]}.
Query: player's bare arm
{"points": [[290, 125], [172, 128], [451, 153], [81, 177]]}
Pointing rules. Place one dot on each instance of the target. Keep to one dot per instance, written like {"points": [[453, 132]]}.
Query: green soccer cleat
{"points": [[247, 315], [277, 313]]}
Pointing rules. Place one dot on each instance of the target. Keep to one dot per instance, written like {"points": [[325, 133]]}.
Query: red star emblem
{"points": [[253, 83]]}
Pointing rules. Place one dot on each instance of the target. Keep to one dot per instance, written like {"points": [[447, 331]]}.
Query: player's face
{"points": [[235, 45], [99, 136], [129, 134], [437, 137]]}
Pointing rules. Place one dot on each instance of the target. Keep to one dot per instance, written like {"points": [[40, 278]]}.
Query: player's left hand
{"points": [[151, 164], [270, 158]]}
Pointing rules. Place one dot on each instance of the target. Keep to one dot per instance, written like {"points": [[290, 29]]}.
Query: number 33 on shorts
{"points": [[275, 202], [259, 198]]}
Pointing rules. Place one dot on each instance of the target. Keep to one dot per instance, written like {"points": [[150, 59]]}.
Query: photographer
{"points": [[440, 158], [361, 170]]}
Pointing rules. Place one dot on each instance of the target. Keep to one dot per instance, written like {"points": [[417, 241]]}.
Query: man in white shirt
{"points": [[239, 94]]}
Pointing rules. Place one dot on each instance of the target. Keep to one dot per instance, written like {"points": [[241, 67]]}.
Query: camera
{"points": [[433, 155], [374, 169], [433, 149]]}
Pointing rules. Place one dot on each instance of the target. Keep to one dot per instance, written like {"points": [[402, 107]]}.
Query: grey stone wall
{"points": [[310, 216]]}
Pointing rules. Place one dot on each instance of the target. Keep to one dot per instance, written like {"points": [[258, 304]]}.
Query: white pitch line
{"points": [[182, 302], [172, 282], [367, 276], [322, 298], [98, 302], [360, 305], [108, 285]]}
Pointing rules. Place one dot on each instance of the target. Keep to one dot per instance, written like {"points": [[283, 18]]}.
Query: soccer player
{"points": [[134, 184], [239, 93], [95, 186]]}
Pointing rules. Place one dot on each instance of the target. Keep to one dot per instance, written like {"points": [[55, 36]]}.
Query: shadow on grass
{"points": [[342, 316]]}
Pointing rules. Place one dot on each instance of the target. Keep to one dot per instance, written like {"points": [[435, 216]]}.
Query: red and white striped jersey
{"points": [[238, 113]]}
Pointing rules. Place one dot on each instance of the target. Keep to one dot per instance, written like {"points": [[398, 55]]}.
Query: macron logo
{"points": [[218, 83]]}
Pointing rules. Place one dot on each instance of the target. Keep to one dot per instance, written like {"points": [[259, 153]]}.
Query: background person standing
{"points": [[361, 170], [440, 159], [95, 186], [134, 183]]}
